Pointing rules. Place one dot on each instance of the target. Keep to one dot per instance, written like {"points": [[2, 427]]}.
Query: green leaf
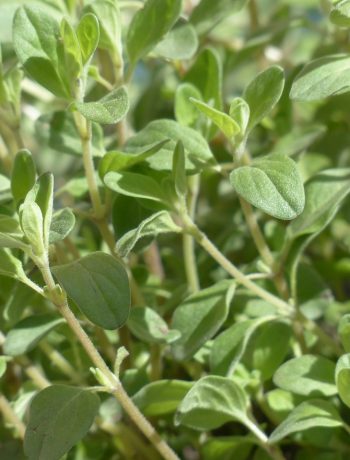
{"points": [[149, 327], [44, 198], [197, 151], [59, 417], [161, 397], [25, 335], [156, 224], [118, 161], [38, 48], [309, 414], [323, 195], [32, 225], [72, 53], [342, 378], [10, 265], [297, 140], [344, 331], [208, 14], [180, 43], [228, 347], [136, 185], [23, 175], [263, 93], [62, 224], [185, 113], [271, 348], [240, 113], [206, 75], [88, 34], [272, 184], [307, 375], [179, 171], [99, 285], [11, 235], [200, 317], [108, 16], [323, 77], [340, 13], [149, 25], [225, 123], [108, 110], [212, 402]]}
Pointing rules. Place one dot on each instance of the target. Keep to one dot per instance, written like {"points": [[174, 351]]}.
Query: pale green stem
{"points": [[201, 238], [274, 452], [115, 386], [11, 417], [188, 240]]}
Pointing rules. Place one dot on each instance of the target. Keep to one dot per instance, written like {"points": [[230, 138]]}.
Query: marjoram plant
{"points": [[174, 240]]}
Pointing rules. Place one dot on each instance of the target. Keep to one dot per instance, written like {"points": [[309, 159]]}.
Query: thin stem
{"points": [[273, 451], [11, 417], [188, 240], [253, 15], [156, 362], [115, 386], [201, 238]]}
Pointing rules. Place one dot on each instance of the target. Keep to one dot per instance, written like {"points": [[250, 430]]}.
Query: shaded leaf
{"points": [[149, 327]]}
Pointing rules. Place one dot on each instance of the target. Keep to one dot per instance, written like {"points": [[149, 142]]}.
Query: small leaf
{"points": [[340, 13], [88, 34], [263, 93], [225, 123], [44, 198], [23, 175], [38, 48], [344, 331], [72, 53], [32, 225], [59, 417], [307, 375], [136, 185], [62, 224], [240, 113], [207, 14], [108, 110], [324, 193], [206, 75], [200, 316], [212, 402], [228, 347], [149, 327], [342, 378], [149, 25], [99, 285], [108, 16], [161, 397], [10, 265], [11, 235], [323, 77], [179, 171], [181, 42], [25, 335], [118, 161], [185, 113], [197, 151], [272, 184], [309, 414], [154, 225]]}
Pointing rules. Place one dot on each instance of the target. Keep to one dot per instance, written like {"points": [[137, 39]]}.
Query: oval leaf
{"points": [[59, 416], [342, 378], [272, 184], [99, 285], [307, 375]]}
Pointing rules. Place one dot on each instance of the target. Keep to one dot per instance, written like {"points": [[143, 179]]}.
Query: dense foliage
{"points": [[174, 235]]}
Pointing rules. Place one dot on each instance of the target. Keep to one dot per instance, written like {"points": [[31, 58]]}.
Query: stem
{"points": [[84, 129], [156, 362], [211, 249], [115, 386], [253, 15], [11, 417], [60, 361], [273, 451], [188, 240]]}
